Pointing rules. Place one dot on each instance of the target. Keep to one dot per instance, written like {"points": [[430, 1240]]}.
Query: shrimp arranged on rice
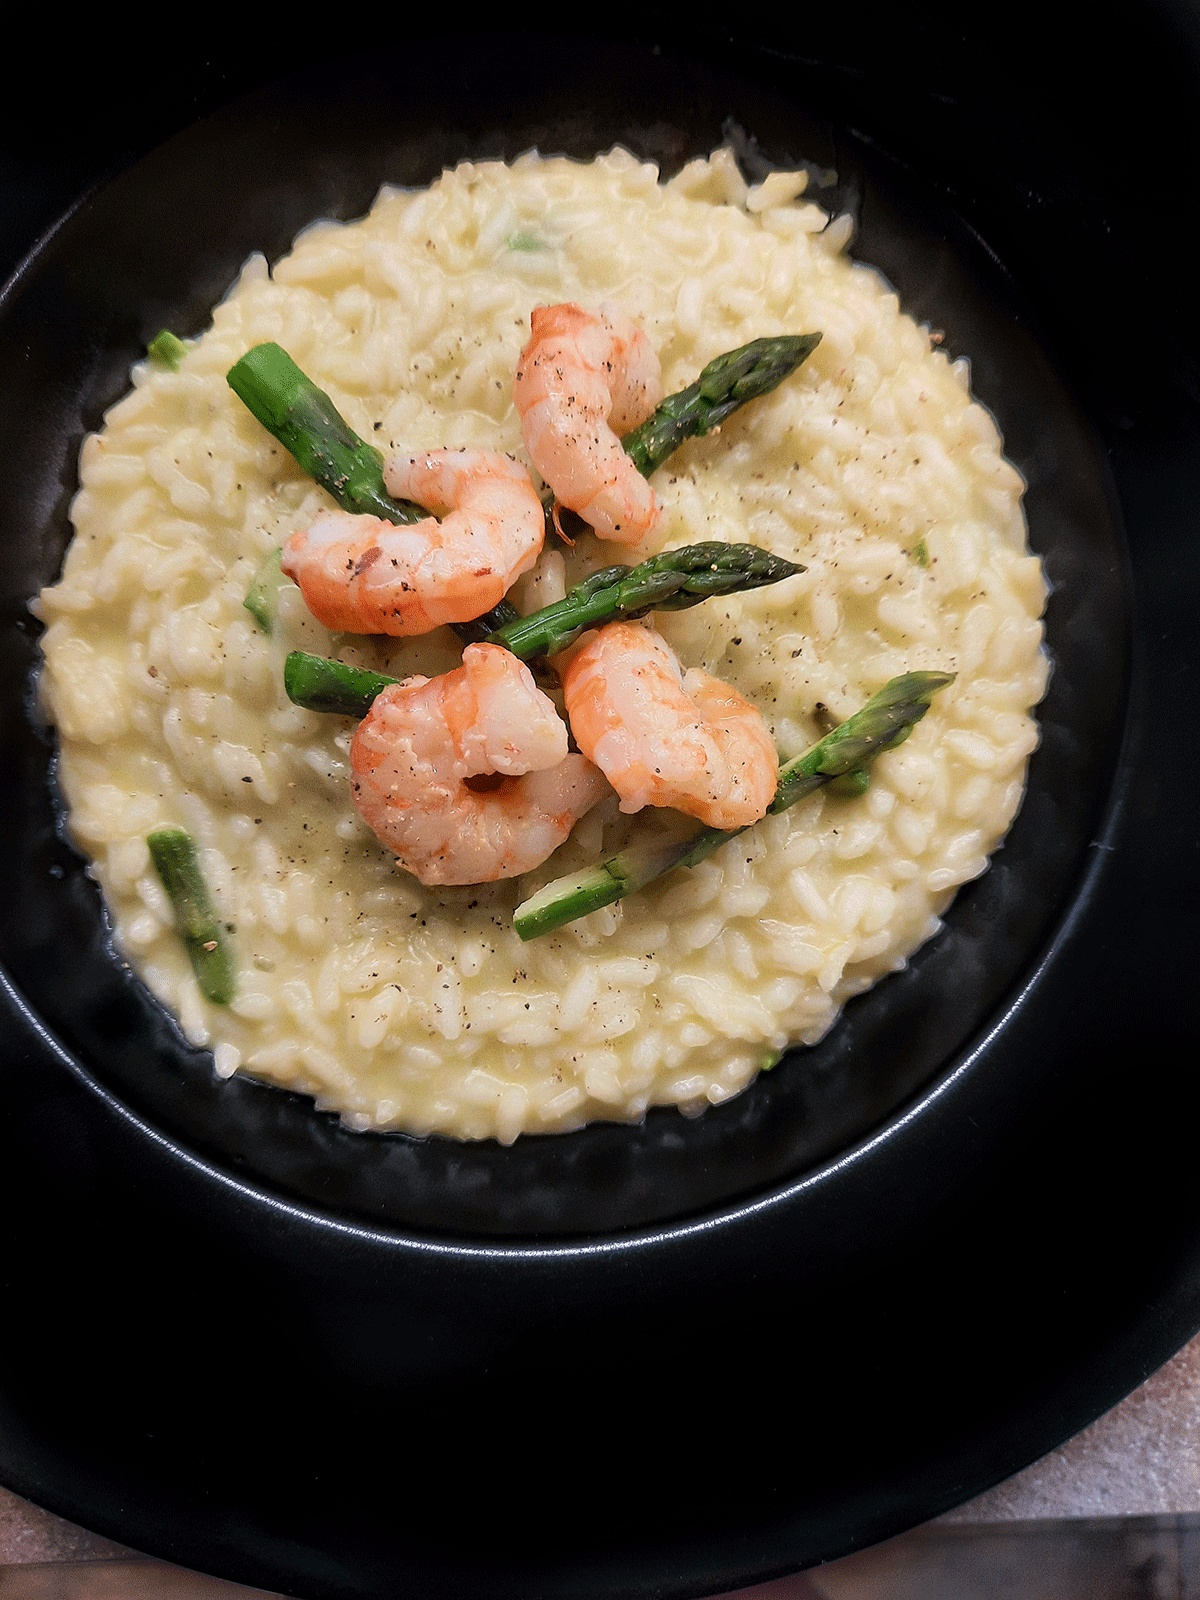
{"points": [[467, 776], [584, 379], [665, 737], [360, 574]]}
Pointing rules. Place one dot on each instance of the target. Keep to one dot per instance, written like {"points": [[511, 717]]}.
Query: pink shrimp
{"points": [[359, 574], [586, 378], [466, 776], [663, 737]]}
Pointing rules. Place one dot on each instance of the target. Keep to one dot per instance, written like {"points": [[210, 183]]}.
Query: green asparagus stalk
{"points": [[262, 597], [725, 384], [318, 684], [885, 721], [166, 350], [312, 429], [174, 858], [671, 581]]}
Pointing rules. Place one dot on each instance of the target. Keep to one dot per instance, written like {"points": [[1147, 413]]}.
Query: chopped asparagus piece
{"points": [[262, 597], [174, 858], [166, 350], [319, 684]]}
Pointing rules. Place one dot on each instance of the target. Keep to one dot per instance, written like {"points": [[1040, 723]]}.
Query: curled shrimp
{"points": [[584, 379], [665, 737], [466, 777], [359, 574]]}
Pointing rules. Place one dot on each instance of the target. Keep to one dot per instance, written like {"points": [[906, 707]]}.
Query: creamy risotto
{"points": [[419, 1008]]}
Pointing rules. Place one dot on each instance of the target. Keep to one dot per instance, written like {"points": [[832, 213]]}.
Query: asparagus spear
{"points": [[725, 384], [670, 582], [310, 427], [174, 858], [166, 349], [884, 722], [319, 684]]}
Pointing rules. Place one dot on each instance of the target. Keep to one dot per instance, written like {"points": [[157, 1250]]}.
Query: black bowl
{"points": [[885, 1215], [158, 247]]}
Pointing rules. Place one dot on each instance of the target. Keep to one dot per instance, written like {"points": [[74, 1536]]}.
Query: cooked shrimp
{"points": [[665, 737], [359, 574], [466, 776], [586, 378]]}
